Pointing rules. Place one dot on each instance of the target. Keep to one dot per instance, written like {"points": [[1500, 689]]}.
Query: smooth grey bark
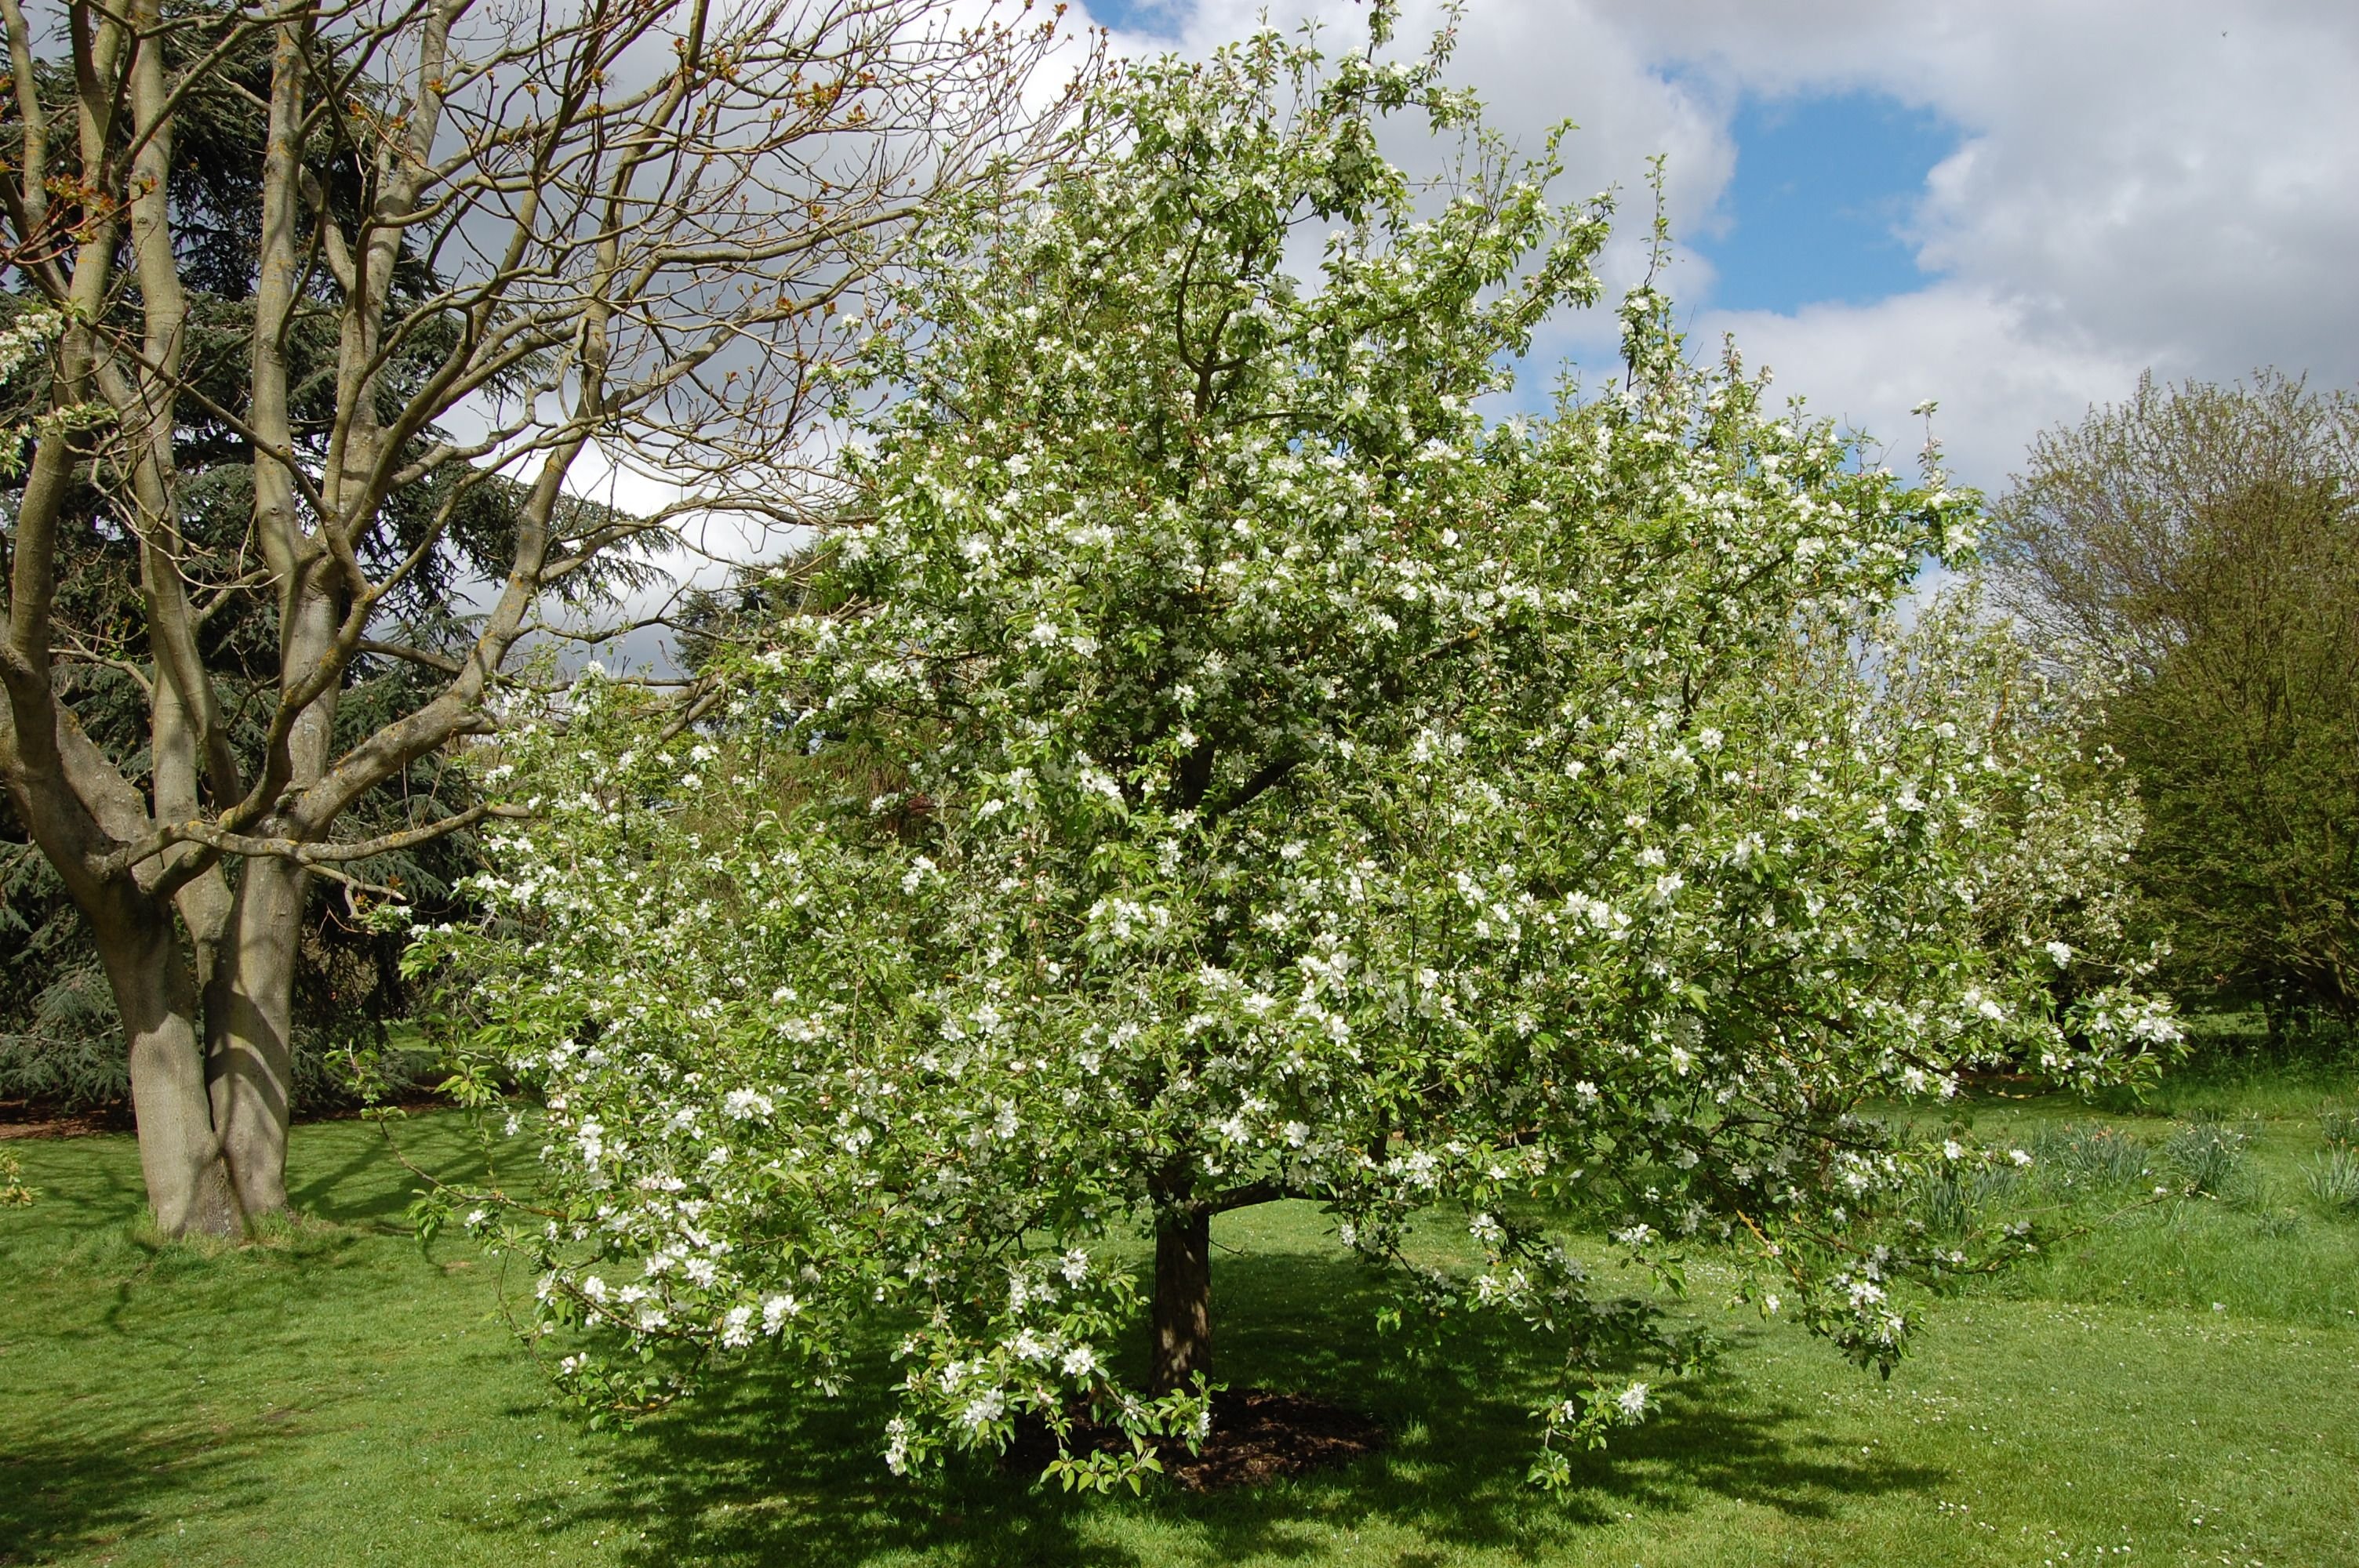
{"points": [[249, 1005], [249, 1015], [189, 1185]]}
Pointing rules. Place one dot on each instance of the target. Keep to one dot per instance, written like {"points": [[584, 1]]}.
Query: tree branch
{"points": [[312, 855]]}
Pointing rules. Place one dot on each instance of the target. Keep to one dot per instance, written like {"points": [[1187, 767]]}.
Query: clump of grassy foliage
{"points": [[2207, 1155], [2333, 1181], [2078, 1157], [2340, 1128]]}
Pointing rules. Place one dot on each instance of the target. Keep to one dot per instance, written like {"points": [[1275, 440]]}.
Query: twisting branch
{"points": [[427, 657]]}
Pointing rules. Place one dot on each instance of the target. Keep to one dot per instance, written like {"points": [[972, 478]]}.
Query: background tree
{"points": [[2200, 546], [335, 393], [1228, 768]]}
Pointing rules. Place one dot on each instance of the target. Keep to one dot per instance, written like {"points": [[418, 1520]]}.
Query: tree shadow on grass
{"points": [[368, 1187], [354, 1173], [65, 1493], [762, 1475], [82, 1182]]}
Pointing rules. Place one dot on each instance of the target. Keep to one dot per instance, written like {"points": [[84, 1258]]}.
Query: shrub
{"points": [[1295, 786]]}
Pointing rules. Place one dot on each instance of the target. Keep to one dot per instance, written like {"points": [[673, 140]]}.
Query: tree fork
{"points": [[189, 1187]]}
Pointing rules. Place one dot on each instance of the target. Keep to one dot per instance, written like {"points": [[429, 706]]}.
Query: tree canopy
{"points": [[1219, 764], [2197, 549]]}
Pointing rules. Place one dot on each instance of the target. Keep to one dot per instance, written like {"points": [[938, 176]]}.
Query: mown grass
{"points": [[338, 1394]]}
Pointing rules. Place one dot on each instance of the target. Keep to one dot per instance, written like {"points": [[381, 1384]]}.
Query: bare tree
{"points": [[488, 250]]}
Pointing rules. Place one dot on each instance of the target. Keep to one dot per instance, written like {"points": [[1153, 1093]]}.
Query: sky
{"points": [[2012, 207]]}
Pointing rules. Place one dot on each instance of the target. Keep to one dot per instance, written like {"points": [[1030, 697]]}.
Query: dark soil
{"points": [[1257, 1436], [30, 1119]]}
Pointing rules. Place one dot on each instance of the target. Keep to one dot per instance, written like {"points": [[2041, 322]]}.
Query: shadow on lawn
{"points": [[61, 1495], [761, 1476], [356, 1173], [364, 1187]]}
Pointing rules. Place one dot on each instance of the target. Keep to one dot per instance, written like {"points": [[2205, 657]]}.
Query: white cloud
{"points": [[2143, 184], [1997, 374]]}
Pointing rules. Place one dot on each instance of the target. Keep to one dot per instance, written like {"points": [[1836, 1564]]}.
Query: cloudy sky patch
{"points": [[2012, 207]]}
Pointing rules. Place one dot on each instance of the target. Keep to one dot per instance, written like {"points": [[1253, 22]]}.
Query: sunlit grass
{"points": [[337, 1394], [2260, 1244]]}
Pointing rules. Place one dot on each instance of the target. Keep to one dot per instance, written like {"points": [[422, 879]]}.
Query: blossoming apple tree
{"points": [[1216, 764]]}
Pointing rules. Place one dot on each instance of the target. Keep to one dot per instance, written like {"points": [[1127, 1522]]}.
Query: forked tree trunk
{"points": [[1183, 1298], [203, 970], [189, 1187], [211, 1083]]}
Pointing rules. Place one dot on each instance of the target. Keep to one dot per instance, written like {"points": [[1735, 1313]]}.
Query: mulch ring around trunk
{"points": [[1257, 1436]]}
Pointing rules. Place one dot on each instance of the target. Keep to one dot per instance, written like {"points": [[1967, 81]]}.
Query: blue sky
{"points": [[1824, 189], [1146, 17]]}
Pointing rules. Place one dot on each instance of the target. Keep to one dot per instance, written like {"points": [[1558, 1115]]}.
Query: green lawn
{"points": [[338, 1396]]}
